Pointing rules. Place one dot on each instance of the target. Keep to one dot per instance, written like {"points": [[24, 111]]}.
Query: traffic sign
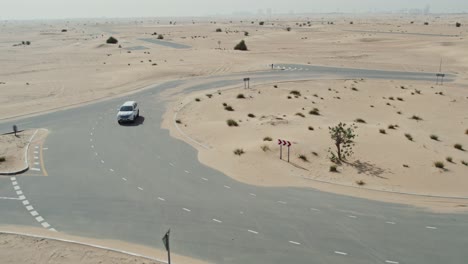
{"points": [[282, 143]]}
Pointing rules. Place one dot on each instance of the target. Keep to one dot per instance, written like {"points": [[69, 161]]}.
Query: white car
{"points": [[128, 112]]}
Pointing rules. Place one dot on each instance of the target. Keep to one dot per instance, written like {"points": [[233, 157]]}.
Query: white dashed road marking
{"points": [[217, 221], [294, 242], [102, 161], [124, 179], [227, 187], [314, 209], [16, 188], [431, 227], [14, 183], [341, 253], [19, 192], [25, 202], [35, 169], [36, 157], [139, 188], [352, 216], [391, 223], [34, 213], [161, 199], [36, 163], [111, 170], [29, 207], [36, 152], [205, 179], [39, 219], [252, 194], [45, 225], [171, 164], [185, 209], [8, 198], [45, 148], [21, 197], [187, 171], [92, 146], [391, 262], [281, 202], [253, 232]]}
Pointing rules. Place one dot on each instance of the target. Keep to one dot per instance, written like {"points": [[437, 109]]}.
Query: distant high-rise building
{"points": [[427, 10]]}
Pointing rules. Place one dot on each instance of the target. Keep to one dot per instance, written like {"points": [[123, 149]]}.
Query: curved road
{"points": [[134, 182]]}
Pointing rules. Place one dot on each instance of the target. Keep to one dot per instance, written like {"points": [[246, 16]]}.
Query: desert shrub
{"points": [[435, 137], [228, 108], [458, 24], [360, 120], [458, 146], [417, 91], [246, 33], [354, 89], [197, 99], [178, 121], [261, 23], [311, 128], [449, 159], [300, 114], [265, 148], [219, 30], [64, 30], [231, 122], [251, 115], [314, 153], [400, 99], [239, 152], [276, 86], [360, 183], [267, 139], [160, 36], [399, 112], [466, 132], [112, 40], [391, 127], [426, 23], [314, 111], [464, 163], [409, 137], [333, 168], [240, 96], [289, 97], [295, 92], [351, 22], [439, 164], [241, 46], [288, 29], [2, 159], [382, 131], [209, 95], [303, 157], [224, 104], [417, 118]]}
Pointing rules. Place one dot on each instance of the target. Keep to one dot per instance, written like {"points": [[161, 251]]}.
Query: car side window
{"points": [[135, 106]]}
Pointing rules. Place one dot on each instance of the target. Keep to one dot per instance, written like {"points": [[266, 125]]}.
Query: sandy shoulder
{"points": [[13, 148], [383, 162]]}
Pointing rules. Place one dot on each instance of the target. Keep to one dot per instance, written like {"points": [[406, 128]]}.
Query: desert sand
{"points": [[12, 149]]}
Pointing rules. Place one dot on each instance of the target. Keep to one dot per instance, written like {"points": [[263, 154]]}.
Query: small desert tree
{"points": [[241, 46], [343, 137], [112, 40]]}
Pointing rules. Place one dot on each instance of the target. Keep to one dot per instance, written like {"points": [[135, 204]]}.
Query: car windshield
{"points": [[126, 108]]}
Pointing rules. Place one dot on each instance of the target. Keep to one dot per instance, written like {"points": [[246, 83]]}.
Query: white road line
{"points": [[205, 179], [93, 128], [36, 163], [171, 164], [13, 178], [185, 209], [252, 194], [161, 199], [95, 153], [36, 146], [19, 192], [341, 253], [36, 157], [25, 202], [45, 148], [39, 219], [216, 220], [391, 223], [91, 133], [281, 202], [34, 213], [186, 171], [16, 188], [29, 207], [102, 161], [227, 187], [352, 216], [45, 224], [392, 262], [36, 152], [21, 197], [35, 169], [139, 188], [52, 229], [431, 227], [124, 179], [314, 209], [91, 139], [294, 242], [14, 183], [111, 170], [253, 232], [8, 198], [92, 146]]}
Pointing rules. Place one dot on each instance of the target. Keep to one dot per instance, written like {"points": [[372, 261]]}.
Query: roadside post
{"points": [[440, 78], [246, 83], [284, 143], [15, 129], [165, 240]]}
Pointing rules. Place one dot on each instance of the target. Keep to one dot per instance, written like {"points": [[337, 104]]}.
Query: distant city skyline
{"points": [[59, 9]]}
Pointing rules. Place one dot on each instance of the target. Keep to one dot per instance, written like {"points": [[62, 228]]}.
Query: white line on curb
{"points": [[294, 242], [341, 253], [253, 232], [35, 169], [216, 220]]}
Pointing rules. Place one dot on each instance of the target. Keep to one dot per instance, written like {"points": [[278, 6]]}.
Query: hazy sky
{"points": [[32, 9]]}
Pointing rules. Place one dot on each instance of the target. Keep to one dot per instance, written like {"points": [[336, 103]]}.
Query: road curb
{"points": [[26, 163], [84, 244]]}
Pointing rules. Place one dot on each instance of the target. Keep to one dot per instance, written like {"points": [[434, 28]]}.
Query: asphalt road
{"points": [[134, 182]]}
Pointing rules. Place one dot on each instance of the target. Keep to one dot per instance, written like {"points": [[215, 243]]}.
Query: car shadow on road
{"points": [[139, 121]]}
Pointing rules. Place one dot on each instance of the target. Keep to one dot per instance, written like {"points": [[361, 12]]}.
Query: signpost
{"points": [[284, 143], [246, 83], [15, 129], [441, 76], [165, 240]]}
